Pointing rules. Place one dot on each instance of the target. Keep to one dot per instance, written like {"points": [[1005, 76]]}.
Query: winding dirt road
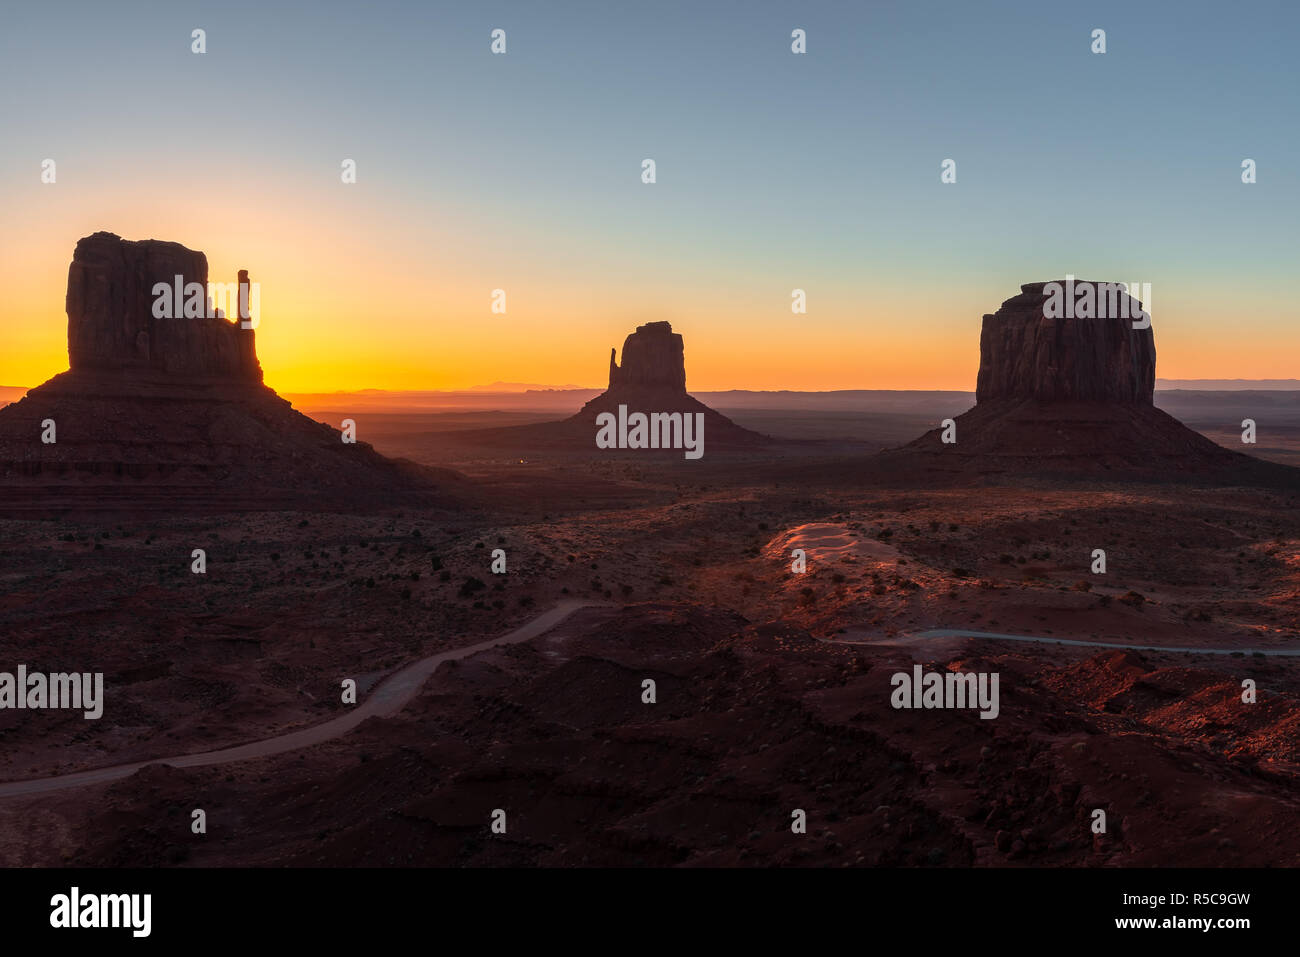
{"points": [[392, 694], [395, 691]]}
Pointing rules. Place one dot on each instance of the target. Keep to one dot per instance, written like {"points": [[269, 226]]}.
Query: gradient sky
{"points": [[775, 171]]}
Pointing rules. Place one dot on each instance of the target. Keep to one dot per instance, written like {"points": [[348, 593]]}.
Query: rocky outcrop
{"points": [[1025, 353], [652, 378], [172, 414], [653, 359], [1070, 397], [112, 324]]}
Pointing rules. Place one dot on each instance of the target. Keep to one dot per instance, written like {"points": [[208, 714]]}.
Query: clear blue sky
{"points": [[819, 171]]}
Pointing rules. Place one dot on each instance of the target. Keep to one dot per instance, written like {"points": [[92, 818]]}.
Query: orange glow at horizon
{"points": [[311, 346], [356, 296]]}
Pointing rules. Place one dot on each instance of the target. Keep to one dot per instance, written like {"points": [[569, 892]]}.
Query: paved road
{"points": [[389, 697], [962, 633]]}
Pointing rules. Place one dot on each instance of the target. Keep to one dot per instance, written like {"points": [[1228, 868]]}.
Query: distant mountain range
{"points": [[529, 395], [522, 387], [1230, 385]]}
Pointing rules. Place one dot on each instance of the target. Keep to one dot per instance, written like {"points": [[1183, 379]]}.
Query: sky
{"points": [[774, 172]]}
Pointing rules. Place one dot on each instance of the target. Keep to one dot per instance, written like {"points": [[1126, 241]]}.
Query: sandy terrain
{"points": [[763, 703]]}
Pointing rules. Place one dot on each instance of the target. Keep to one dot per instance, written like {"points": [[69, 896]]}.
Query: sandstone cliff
{"points": [[159, 413], [111, 321], [1024, 354], [652, 378], [1071, 397], [653, 359]]}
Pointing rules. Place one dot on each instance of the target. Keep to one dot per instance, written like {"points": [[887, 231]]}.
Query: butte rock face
{"points": [[654, 360], [1024, 354], [172, 413], [652, 378], [1072, 396], [111, 321]]}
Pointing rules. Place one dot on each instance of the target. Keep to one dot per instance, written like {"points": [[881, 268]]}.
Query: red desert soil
{"points": [[755, 716]]}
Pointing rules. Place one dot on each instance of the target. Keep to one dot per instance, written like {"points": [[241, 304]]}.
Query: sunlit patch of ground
{"points": [[830, 542]]}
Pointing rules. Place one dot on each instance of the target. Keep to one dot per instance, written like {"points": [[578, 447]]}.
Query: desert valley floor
{"points": [[773, 688]]}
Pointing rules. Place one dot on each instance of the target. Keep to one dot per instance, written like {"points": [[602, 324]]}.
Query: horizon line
{"points": [[1163, 385]]}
